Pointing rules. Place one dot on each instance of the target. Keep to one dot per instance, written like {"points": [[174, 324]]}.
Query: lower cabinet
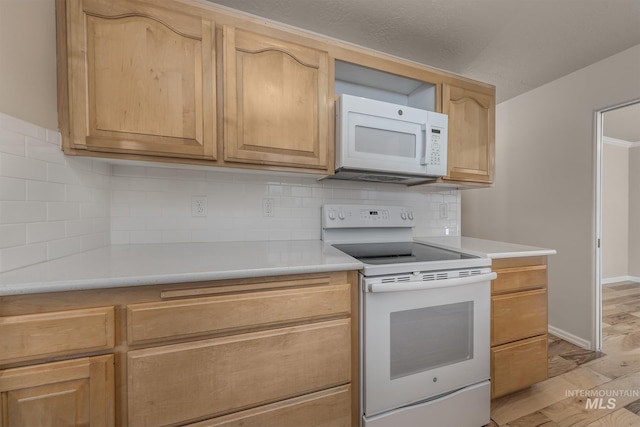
{"points": [[274, 351], [77, 392], [518, 324], [170, 384]]}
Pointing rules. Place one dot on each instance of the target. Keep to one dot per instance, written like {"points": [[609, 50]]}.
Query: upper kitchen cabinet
{"points": [[136, 78], [277, 102], [471, 133]]}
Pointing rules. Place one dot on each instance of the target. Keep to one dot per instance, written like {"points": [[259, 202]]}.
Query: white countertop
{"points": [[488, 248], [135, 265]]}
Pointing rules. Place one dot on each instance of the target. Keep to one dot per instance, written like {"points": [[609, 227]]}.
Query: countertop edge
{"points": [[134, 281]]}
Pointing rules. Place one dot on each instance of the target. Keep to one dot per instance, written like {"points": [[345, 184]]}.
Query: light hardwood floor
{"points": [[578, 378]]}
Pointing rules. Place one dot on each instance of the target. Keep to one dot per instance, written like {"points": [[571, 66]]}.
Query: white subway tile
{"points": [[45, 231], [45, 191], [21, 167], [12, 189], [129, 171], [12, 143], [120, 237], [41, 150], [53, 137], [145, 236], [97, 209], [146, 184], [22, 256], [120, 210], [64, 247], [78, 193], [93, 241], [101, 167], [63, 211], [22, 212], [62, 174], [176, 236], [79, 227], [12, 235]]}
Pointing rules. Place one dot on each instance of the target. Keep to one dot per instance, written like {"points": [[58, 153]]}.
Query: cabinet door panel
{"points": [[141, 84], [471, 134], [520, 278], [518, 315], [72, 393], [182, 382], [276, 101]]}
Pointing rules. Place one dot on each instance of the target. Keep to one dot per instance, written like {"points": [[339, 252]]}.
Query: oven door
{"points": [[423, 339]]}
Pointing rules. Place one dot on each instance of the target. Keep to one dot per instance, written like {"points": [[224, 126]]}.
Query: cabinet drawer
{"points": [[518, 315], [328, 408], [232, 313], [59, 333], [190, 381], [518, 365], [520, 278]]}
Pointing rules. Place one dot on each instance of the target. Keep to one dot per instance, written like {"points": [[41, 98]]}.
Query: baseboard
{"points": [[580, 342], [611, 280]]}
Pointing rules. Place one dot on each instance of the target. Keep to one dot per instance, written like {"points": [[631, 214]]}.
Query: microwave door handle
{"points": [[423, 146]]}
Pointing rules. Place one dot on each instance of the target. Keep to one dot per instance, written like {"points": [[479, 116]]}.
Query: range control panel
{"points": [[364, 216]]}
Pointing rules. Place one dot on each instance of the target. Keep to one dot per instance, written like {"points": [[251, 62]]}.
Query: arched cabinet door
{"points": [[141, 79], [471, 134], [277, 102]]}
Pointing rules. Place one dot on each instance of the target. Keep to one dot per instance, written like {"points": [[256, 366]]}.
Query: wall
{"points": [[153, 205], [50, 205], [28, 58], [634, 212], [615, 212], [545, 181]]}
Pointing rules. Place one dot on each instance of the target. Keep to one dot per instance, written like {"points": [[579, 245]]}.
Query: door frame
{"points": [[599, 146]]}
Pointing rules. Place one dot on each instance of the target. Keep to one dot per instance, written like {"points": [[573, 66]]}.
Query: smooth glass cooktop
{"points": [[397, 253]]}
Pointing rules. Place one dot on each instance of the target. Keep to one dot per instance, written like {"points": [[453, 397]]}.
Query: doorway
{"points": [[617, 200]]}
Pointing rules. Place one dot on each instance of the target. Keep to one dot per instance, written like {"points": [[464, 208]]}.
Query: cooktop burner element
{"points": [[398, 252]]}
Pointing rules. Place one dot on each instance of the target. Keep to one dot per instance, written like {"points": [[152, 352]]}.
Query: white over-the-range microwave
{"points": [[384, 142]]}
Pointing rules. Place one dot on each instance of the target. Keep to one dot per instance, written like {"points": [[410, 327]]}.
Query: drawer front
{"points": [[232, 313], [60, 333], [518, 365], [517, 279], [328, 408], [182, 382], [517, 316], [529, 261]]}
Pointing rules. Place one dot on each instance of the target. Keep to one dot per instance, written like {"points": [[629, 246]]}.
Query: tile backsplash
{"points": [[53, 205]]}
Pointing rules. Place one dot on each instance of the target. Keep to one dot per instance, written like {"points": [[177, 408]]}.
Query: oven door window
{"points": [[430, 337]]}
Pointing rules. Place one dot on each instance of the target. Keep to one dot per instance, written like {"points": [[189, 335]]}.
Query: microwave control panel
{"points": [[435, 156]]}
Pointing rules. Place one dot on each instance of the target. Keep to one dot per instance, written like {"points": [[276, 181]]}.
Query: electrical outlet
{"points": [[268, 207], [444, 211], [198, 205]]}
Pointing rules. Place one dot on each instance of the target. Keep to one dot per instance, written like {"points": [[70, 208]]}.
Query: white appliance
{"points": [[384, 142], [424, 321]]}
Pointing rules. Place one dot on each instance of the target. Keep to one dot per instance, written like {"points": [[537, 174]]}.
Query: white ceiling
{"points": [[516, 45]]}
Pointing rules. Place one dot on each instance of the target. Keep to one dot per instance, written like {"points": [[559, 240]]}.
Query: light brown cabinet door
{"points": [[140, 79], [471, 134], [77, 392], [190, 381], [276, 102]]}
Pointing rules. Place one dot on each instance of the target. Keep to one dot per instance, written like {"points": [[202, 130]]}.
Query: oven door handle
{"points": [[431, 284]]}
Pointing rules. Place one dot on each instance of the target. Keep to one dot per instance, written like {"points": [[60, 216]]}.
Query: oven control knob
{"points": [[332, 215], [410, 215], [341, 215], [403, 215]]}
